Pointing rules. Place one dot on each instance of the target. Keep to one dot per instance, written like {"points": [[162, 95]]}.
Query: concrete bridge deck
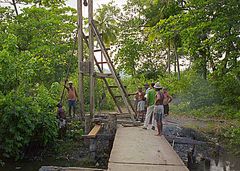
{"points": [[136, 149]]}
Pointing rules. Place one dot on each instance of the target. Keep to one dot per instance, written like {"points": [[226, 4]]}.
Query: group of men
{"points": [[157, 100]]}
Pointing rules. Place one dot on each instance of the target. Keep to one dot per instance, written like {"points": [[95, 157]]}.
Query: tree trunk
{"points": [[203, 64], [15, 6], [177, 65], [169, 58]]}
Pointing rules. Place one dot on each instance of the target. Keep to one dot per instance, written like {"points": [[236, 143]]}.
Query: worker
{"points": [[150, 107], [140, 99], [167, 99], [61, 120], [72, 98], [158, 108]]}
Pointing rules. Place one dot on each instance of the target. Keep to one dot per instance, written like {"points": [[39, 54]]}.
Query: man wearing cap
{"points": [[150, 103], [158, 108], [72, 98]]}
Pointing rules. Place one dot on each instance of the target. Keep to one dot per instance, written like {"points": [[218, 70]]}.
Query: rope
{"points": [[69, 64]]}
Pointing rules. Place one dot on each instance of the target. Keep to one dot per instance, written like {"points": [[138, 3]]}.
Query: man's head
{"points": [[152, 85], [59, 105], [70, 83], [146, 86], [140, 89], [164, 89], [157, 86]]}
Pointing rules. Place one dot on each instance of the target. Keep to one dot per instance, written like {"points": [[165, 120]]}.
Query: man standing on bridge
{"points": [[140, 99], [158, 108], [150, 103]]}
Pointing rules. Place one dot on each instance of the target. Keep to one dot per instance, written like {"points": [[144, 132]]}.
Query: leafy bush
{"points": [[200, 93], [228, 87], [26, 117], [232, 135]]}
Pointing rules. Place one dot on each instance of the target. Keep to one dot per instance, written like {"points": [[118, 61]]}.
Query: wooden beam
{"points": [[102, 75], [99, 50], [113, 86], [104, 62], [91, 55], [93, 133], [80, 57]]}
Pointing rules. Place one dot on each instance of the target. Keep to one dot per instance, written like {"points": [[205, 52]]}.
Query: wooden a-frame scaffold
{"points": [[86, 68]]}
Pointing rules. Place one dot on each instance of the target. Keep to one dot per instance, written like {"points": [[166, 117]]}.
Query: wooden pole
{"points": [[80, 56], [91, 56]]}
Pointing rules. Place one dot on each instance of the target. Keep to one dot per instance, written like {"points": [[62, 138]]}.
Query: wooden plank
{"points": [[94, 131]]}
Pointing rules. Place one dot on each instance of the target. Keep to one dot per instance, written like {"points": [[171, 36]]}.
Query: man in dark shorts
{"points": [[72, 98], [167, 99]]}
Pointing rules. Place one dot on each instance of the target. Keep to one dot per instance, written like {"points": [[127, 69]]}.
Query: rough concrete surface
{"points": [[137, 149]]}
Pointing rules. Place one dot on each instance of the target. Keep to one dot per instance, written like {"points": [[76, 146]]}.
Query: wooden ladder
{"points": [[113, 74]]}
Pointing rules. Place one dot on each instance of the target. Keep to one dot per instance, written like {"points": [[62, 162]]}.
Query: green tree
{"points": [[106, 19]]}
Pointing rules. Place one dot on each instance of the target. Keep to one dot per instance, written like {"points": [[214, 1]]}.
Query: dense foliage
{"points": [[34, 53]]}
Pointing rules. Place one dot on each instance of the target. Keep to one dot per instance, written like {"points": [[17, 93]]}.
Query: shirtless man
{"points": [[158, 108], [72, 98]]}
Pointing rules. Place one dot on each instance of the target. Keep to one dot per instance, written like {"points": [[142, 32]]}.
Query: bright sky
{"points": [[96, 3]]}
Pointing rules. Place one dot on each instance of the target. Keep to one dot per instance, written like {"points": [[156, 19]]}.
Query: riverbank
{"points": [[212, 153]]}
